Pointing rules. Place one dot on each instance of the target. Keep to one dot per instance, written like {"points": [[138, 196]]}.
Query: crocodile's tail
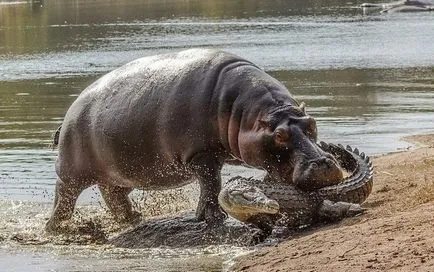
{"points": [[56, 138], [355, 188]]}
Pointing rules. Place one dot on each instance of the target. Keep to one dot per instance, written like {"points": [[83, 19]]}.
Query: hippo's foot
{"points": [[334, 211], [213, 215], [54, 227], [78, 233], [60, 227], [132, 219]]}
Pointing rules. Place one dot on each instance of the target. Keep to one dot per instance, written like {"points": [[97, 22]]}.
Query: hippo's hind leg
{"points": [[119, 204], [66, 195], [207, 169]]}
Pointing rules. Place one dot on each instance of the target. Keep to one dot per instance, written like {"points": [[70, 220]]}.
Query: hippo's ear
{"points": [[303, 107], [281, 135]]}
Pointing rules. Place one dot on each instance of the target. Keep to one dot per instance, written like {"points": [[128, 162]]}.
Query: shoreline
{"points": [[395, 234]]}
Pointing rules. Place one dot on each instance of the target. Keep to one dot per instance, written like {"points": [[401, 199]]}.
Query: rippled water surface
{"points": [[367, 78]]}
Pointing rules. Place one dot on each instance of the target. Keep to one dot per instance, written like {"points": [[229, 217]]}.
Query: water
{"points": [[367, 78]]}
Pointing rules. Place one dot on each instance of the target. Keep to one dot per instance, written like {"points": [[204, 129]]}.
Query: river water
{"points": [[367, 78]]}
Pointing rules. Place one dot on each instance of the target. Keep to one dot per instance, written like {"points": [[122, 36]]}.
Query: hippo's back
{"points": [[145, 114]]}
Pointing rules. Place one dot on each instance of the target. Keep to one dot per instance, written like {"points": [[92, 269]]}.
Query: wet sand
{"points": [[395, 234]]}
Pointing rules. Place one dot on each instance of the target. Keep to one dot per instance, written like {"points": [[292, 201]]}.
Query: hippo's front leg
{"points": [[207, 169]]}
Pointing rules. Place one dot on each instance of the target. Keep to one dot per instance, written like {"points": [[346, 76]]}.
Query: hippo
{"points": [[163, 121]]}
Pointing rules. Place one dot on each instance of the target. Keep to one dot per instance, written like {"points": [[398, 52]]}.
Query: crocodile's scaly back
{"points": [[355, 188]]}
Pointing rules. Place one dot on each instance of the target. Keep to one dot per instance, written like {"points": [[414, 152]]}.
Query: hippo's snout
{"points": [[317, 173]]}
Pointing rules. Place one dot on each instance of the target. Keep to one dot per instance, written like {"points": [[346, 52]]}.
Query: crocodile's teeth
{"points": [[333, 145], [362, 155], [341, 146], [356, 151], [349, 148]]}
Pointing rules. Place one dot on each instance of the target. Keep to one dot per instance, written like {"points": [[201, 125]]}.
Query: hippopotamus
{"points": [[164, 121]]}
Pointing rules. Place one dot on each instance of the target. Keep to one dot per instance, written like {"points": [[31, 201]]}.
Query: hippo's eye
{"points": [[281, 136]]}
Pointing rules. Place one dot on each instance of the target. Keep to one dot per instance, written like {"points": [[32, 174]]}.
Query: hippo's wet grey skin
{"points": [[265, 203], [160, 122]]}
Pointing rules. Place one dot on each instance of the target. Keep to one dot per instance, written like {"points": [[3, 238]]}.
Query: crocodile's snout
{"points": [[252, 198], [268, 206], [246, 201]]}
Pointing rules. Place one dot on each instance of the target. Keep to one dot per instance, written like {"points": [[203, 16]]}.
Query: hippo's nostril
{"points": [[323, 162], [329, 162]]}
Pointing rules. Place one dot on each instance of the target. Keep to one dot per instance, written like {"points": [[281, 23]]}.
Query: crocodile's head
{"points": [[243, 201]]}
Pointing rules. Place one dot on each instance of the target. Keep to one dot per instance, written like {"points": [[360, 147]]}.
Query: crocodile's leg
{"points": [[265, 222], [334, 211]]}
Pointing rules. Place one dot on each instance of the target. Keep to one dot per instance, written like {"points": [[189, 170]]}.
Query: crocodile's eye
{"points": [[236, 192], [249, 195], [251, 190]]}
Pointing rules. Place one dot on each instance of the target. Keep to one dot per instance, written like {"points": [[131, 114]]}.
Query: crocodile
{"points": [[265, 203]]}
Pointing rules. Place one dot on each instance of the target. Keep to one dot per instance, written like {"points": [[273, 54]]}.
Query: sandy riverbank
{"points": [[395, 234]]}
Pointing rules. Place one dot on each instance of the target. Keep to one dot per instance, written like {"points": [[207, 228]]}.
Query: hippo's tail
{"points": [[56, 138]]}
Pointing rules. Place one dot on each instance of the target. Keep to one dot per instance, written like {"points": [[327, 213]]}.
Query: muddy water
{"points": [[367, 78]]}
